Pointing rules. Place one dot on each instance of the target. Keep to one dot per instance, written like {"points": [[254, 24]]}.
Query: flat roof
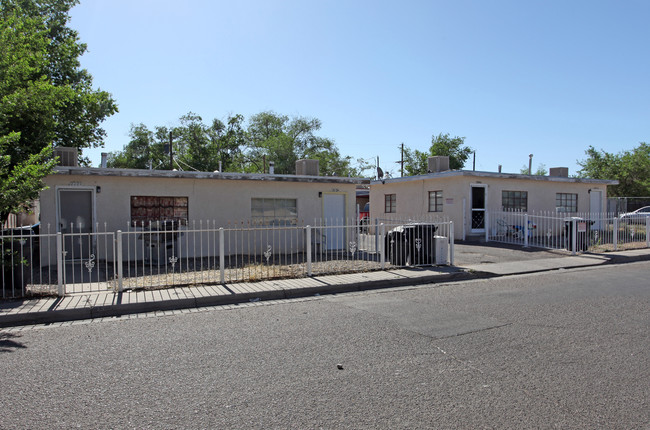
{"points": [[145, 173], [454, 173]]}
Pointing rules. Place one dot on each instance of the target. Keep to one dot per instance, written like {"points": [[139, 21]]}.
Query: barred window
{"points": [[274, 211], [514, 200], [390, 203], [435, 201], [566, 202], [151, 209]]}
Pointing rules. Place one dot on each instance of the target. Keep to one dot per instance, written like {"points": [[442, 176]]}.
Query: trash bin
{"points": [[161, 241], [411, 244], [440, 250], [422, 244], [583, 232], [395, 246]]}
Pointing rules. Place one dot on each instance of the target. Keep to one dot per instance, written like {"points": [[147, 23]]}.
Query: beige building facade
{"points": [[89, 200], [464, 197], [106, 196]]}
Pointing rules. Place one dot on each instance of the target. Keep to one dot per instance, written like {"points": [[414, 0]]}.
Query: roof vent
{"points": [[562, 172], [307, 167], [439, 163], [68, 156]]}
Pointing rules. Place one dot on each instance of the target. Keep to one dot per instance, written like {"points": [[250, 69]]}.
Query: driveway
{"points": [[472, 253]]}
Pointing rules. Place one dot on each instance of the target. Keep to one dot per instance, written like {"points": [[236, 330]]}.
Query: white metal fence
{"points": [[164, 255], [574, 232]]}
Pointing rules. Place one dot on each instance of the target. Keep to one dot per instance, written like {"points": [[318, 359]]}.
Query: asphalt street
{"points": [[566, 349]]}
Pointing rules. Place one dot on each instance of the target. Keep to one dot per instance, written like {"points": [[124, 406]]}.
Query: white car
{"points": [[637, 217]]}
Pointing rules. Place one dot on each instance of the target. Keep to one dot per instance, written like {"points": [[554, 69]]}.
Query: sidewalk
{"points": [[106, 304]]}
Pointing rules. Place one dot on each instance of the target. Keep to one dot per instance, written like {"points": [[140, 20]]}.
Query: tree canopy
{"points": [[46, 98], [238, 146], [631, 168], [416, 162], [541, 170]]}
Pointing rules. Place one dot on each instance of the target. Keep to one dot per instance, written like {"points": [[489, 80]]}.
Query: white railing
{"points": [[166, 255], [574, 232]]}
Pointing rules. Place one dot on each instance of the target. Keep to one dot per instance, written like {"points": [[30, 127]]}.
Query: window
{"points": [[565, 202], [274, 211], [150, 209], [390, 203], [435, 201], [514, 200]]}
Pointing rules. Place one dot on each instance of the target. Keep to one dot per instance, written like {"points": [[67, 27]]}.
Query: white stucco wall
{"points": [[222, 201], [412, 195], [212, 202]]}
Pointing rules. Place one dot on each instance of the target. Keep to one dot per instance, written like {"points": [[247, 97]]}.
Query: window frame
{"points": [[147, 210], [566, 202], [270, 211], [437, 201], [390, 203], [511, 200]]}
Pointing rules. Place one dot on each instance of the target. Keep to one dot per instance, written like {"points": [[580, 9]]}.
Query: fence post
{"points": [[525, 230], [308, 246], [647, 232], [451, 243], [487, 227], [376, 234], [574, 236], [120, 284], [615, 234], [382, 255], [222, 257], [59, 264]]}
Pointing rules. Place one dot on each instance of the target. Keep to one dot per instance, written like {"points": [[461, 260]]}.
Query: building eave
{"points": [[471, 173], [145, 173]]}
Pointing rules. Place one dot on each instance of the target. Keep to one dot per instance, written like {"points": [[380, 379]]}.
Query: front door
{"points": [[75, 221], [595, 207], [478, 205], [334, 220]]}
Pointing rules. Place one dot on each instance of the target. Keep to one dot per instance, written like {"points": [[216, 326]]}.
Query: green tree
{"points": [[541, 170], [196, 146], [233, 146], [284, 141], [21, 182], [228, 141], [630, 168], [416, 162], [137, 153], [46, 99]]}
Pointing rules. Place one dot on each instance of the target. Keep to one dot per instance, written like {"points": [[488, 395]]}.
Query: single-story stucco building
{"points": [[464, 196], [83, 199]]}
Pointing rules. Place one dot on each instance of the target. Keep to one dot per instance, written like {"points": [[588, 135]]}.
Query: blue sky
{"points": [[547, 78]]}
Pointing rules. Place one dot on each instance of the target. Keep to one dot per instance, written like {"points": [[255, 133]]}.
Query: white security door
{"points": [[334, 220], [595, 207], [479, 205], [75, 222]]}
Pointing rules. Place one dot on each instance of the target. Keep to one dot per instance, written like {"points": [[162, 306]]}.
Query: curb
{"points": [[115, 310]]}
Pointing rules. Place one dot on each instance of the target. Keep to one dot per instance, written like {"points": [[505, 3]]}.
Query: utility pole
{"points": [[401, 163], [171, 152]]}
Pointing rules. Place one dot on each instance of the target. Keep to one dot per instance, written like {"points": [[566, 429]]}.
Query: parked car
{"points": [[638, 216], [364, 218], [365, 212]]}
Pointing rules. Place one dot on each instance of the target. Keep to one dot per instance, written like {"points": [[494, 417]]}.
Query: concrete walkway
{"points": [[105, 304]]}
